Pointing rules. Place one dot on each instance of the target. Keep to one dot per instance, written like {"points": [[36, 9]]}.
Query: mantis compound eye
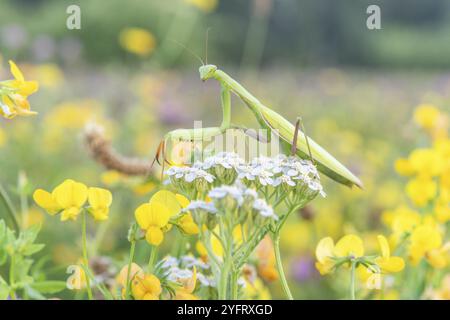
{"points": [[207, 71]]}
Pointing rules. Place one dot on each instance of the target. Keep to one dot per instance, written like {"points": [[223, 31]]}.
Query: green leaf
{"points": [[49, 286], [4, 289], [32, 249]]}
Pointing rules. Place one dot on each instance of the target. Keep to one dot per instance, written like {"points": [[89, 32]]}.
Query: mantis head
{"points": [[207, 71]]}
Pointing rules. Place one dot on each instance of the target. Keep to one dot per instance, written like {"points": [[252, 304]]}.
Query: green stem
{"points": [[352, 281], [12, 293], [9, 208], [152, 259], [279, 265], [225, 273], [85, 255], [128, 283]]}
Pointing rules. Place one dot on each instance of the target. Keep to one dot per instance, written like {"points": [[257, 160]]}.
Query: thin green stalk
{"points": [[279, 265], [152, 259], [12, 293], [85, 255], [9, 208], [130, 262], [352, 280]]}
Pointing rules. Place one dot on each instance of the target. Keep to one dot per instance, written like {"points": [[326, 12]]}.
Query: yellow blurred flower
{"points": [[185, 292], [48, 75], [324, 255], [204, 5], [387, 263], [2, 137], [137, 40], [99, 201], [147, 287], [111, 177], [426, 115], [33, 217], [426, 162], [424, 240], [256, 290], [266, 265], [421, 190]]}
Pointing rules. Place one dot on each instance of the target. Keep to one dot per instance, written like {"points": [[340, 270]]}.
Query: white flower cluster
{"points": [[189, 174], [178, 269], [284, 171], [226, 168]]}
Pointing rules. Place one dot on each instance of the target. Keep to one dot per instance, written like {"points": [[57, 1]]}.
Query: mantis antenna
{"points": [[189, 50], [206, 45]]}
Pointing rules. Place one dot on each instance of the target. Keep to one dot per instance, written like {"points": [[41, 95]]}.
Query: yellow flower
{"points": [[403, 167], [14, 94], [266, 260], [137, 40], [2, 137], [426, 116], [135, 271], [204, 5], [69, 197], [187, 287], [426, 162], [256, 290], [438, 258], [99, 201], [147, 287], [349, 246], [111, 177], [387, 263], [324, 255], [153, 217], [187, 224], [24, 88], [424, 239], [421, 190]]}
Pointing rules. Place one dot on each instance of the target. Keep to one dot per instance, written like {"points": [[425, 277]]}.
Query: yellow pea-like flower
{"points": [[67, 198], [187, 224], [349, 245], [25, 88], [99, 201], [46, 201], [169, 200], [71, 196], [13, 99], [147, 287], [324, 254], [187, 288], [387, 263], [152, 217]]}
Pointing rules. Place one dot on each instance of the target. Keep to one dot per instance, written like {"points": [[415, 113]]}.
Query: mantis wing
{"points": [[326, 163]]}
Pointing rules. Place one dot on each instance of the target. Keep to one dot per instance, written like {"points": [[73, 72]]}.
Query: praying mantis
{"points": [[268, 119]]}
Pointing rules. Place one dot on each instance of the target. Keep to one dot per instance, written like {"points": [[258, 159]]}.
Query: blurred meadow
{"points": [[360, 93]]}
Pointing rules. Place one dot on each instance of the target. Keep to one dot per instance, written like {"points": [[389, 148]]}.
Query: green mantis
{"points": [[268, 119]]}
